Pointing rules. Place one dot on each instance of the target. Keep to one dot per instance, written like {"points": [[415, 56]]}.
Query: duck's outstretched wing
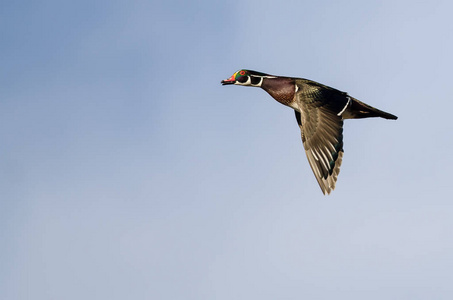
{"points": [[321, 126]]}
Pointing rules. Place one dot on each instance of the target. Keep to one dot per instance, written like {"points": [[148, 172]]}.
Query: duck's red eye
{"points": [[242, 73]]}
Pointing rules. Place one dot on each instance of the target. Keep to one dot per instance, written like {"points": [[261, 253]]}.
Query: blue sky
{"points": [[128, 172]]}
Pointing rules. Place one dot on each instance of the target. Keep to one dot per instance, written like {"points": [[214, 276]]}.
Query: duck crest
{"points": [[281, 89]]}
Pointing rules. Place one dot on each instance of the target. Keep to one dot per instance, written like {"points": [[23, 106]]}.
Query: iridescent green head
{"points": [[247, 78]]}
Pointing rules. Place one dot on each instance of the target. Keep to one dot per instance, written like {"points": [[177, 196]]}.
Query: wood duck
{"points": [[320, 111]]}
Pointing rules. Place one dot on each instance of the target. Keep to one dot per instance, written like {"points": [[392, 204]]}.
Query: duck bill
{"points": [[230, 80]]}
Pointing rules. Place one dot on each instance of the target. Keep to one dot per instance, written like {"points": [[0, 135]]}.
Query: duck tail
{"points": [[361, 110]]}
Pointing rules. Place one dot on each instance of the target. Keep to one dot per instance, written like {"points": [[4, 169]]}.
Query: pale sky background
{"points": [[128, 172]]}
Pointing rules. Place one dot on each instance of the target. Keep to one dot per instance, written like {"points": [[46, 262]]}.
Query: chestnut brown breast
{"points": [[281, 89]]}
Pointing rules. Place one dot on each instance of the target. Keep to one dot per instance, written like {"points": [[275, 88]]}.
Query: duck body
{"points": [[320, 111]]}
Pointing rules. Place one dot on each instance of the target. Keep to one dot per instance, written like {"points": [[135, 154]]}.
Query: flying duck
{"points": [[320, 111]]}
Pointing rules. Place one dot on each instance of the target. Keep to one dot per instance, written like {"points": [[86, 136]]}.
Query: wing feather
{"points": [[321, 130]]}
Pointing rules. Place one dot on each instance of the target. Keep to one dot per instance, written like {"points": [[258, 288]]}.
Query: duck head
{"points": [[246, 78]]}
